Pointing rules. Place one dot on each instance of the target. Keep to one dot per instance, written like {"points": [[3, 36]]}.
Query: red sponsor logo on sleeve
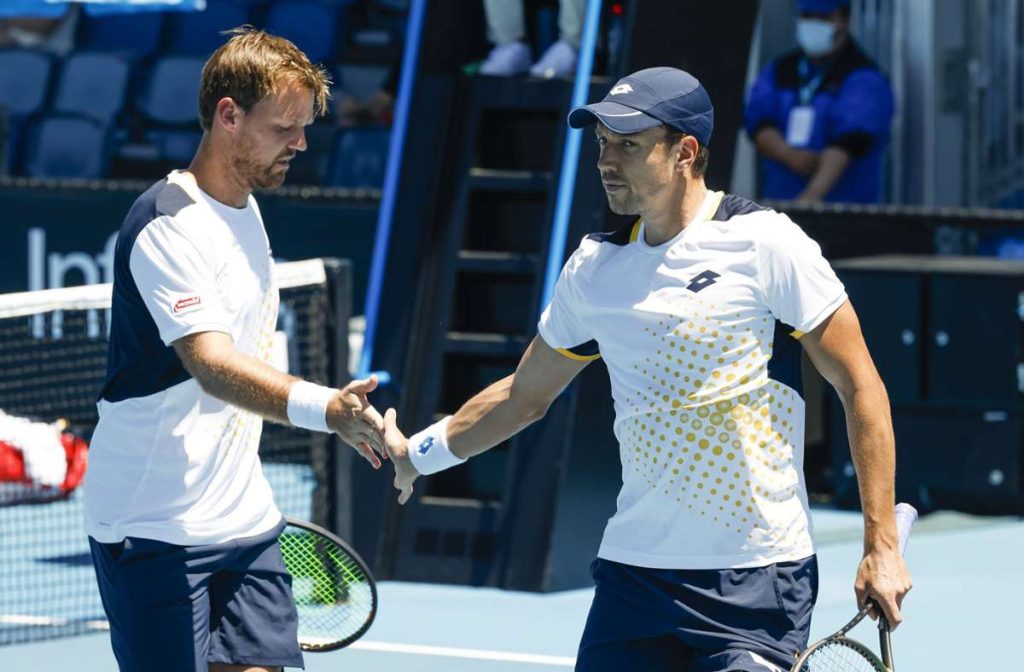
{"points": [[186, 302]]}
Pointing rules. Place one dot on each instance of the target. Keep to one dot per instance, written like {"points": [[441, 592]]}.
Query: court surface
{"points": [[967, 571]]}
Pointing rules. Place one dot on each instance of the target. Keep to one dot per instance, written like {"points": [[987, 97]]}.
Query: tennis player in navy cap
{"points": [[699, 309]]}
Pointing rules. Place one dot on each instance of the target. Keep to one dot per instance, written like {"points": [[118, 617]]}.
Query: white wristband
{"points": [[307, 405], [429, 451]]}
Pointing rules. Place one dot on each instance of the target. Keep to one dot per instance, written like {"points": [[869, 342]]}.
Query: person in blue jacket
{"points": [[820, 115]]}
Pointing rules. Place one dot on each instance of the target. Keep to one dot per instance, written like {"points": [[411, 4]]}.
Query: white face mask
{"points": [[815, 36]]}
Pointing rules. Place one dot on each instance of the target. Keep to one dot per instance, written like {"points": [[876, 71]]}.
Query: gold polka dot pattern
{"points": [[711, 431]]}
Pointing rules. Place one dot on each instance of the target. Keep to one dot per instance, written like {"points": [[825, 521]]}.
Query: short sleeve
{"points": [[176, 281], [800, 287], [864, 107], [560, 325]]}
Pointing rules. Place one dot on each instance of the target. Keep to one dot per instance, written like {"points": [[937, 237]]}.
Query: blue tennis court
{"points": [[967, 582]]}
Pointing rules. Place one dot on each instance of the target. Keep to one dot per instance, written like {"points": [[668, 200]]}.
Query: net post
{"points": [[339, 459]]}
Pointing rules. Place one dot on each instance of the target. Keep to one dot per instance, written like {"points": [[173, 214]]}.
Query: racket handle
{"points": [[906, 515]]}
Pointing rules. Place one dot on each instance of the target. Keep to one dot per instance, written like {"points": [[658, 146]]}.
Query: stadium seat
{"points": [[177, 146], [137, 35], [158, 151], [168, 131], [61, 145], [199, 33], [310, 166], [360, 158], [93, 85], [171, 96], [312, 26], [361, 81], [24, 80]]}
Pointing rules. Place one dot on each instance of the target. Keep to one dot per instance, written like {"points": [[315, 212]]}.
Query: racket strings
{"points": [[840, 656], [333, 595]]}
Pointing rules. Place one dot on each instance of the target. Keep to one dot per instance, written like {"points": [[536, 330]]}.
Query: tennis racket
{"points": [[334, 591], [839, 653]]}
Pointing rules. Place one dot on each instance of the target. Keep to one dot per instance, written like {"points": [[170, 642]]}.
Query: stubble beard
{"points": [[625, 205], [252, 173], [258, 176]]}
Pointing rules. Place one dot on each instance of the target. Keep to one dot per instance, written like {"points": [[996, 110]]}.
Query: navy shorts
{"points": [[178, 608], [740, 620]]}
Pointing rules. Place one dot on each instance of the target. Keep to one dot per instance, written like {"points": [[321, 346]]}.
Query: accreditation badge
{"points": [[800, 126]]}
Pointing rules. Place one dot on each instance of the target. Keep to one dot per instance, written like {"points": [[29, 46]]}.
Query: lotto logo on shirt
{"points": [[702, 280], [186, 304]]}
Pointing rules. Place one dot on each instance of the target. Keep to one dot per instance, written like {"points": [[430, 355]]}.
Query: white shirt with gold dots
{"points": [[699, 335]]}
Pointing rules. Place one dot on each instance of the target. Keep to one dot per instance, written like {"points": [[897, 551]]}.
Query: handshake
{"points": [[352, 417]]}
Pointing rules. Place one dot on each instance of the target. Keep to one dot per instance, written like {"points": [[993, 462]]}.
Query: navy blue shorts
{"points": [[740, 620], [179, 608]]}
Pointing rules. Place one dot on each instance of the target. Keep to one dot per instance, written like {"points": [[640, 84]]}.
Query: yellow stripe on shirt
{"points": [[578, 358]]}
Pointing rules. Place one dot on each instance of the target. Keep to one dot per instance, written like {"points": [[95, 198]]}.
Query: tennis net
{"points": [[53, 351]]}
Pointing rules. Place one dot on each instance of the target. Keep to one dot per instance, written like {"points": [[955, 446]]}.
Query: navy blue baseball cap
{"points": [[649, 98], [822, 6]]}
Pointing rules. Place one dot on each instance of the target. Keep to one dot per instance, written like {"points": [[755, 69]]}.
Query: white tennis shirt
{"points": [[699, 337], [167, 460]]}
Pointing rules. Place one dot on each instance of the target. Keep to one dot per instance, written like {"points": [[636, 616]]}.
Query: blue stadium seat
{"points": [[310, 166], [176, 146], [137, 35], [199, 33], [24, 80], [93, 85], [161, 149], [361, 81], [62, 145], [171, 96], [312, 26], [169, 108], [360, 158]]}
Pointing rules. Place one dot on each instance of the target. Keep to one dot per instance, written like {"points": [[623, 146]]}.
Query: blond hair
{"points": [[251, 66]]}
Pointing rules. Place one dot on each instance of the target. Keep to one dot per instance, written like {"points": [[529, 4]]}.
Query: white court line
{"points": [[475, 654], [383, 647]]}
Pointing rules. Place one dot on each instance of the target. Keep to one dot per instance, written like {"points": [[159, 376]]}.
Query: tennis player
{"points": [[182, 522], [699, 310]]}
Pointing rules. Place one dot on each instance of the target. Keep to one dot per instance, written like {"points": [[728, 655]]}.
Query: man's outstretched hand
{"points": [[398, 450], [356, 421]]}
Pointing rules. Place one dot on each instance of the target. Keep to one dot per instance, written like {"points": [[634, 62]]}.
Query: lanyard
{"points": [[809, 87]]}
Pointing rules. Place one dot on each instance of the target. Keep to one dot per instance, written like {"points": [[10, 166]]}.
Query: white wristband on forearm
{"points": [[429, 451], [307, 406]]}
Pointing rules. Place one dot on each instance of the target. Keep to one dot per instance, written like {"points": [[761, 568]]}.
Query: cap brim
{"points": [[617, 117]]}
